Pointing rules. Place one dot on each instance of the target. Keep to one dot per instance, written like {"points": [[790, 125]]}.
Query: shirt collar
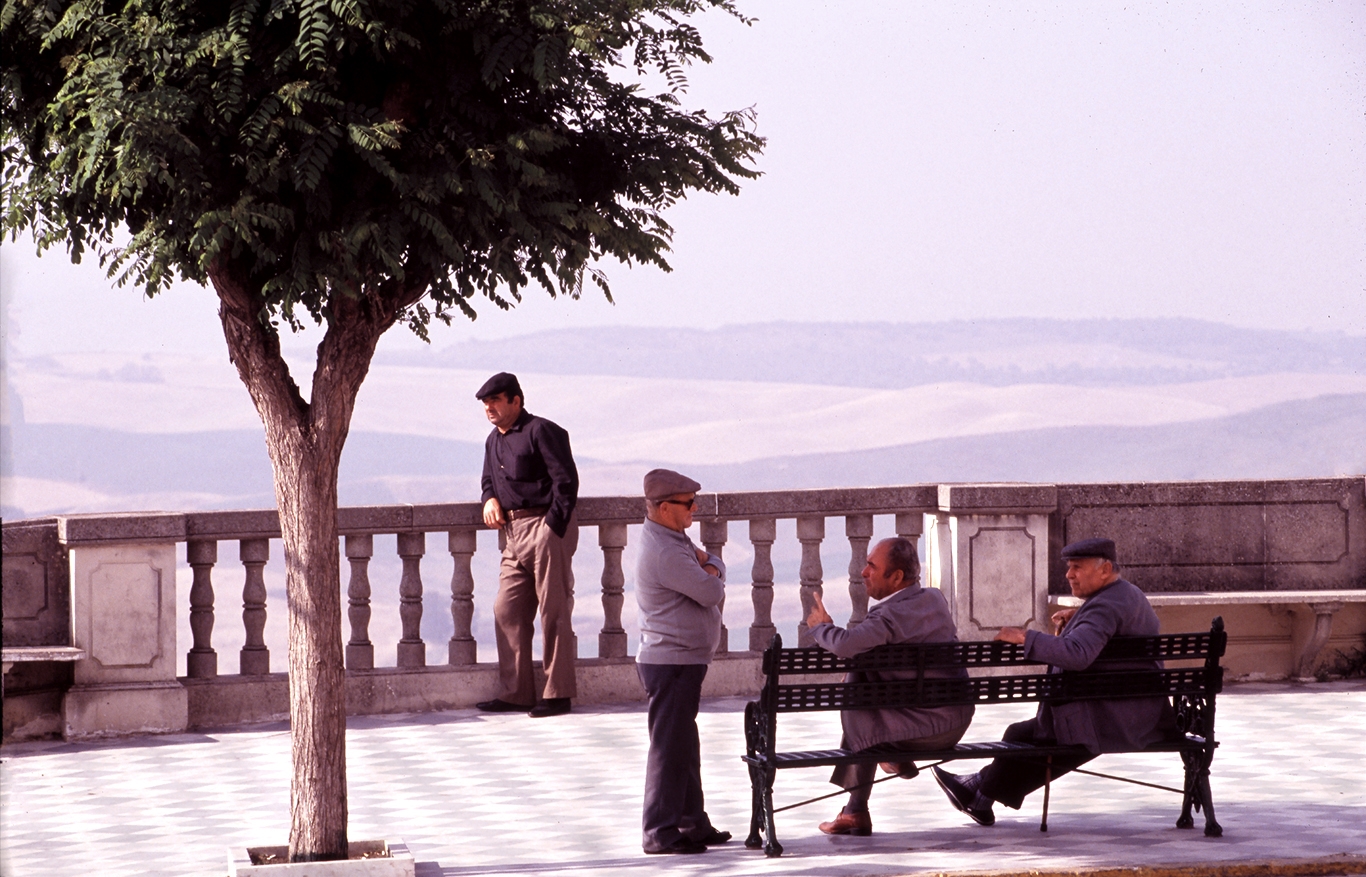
{"points": [[522, 420]]}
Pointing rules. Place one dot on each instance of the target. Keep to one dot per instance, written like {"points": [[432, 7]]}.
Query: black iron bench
{"points": [[789, 687]]}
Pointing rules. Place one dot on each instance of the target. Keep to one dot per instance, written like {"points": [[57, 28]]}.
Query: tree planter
{"points": [[368, 858]]}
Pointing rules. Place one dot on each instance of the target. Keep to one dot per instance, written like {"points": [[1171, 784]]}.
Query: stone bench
{"points": [[1324, 604]]}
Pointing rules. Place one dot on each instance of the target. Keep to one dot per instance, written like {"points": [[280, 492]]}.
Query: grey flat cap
{"points": [[1103, 548], [660, 484], [503, 382]]}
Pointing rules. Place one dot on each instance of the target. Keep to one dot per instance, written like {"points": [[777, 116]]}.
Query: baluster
{"points": [[255, 657], [714, 534], [360, 652], [909, 525], [612, 639], [762, 532], [463, 649], [412, 651], [810, 530], [202, 661], [859, 529]]}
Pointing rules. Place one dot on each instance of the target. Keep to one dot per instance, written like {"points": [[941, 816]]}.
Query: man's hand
{"points": [[818, 614], [493, 513], [1014, 635], [1060, 619], [709, 567]]}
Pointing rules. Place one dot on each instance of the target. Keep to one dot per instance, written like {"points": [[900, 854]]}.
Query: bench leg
{"points": [[1212, 827], [1047, 785], [756, 809], [1191, 798], [772, 849]]}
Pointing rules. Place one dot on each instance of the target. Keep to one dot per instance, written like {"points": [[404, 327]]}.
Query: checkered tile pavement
{"points": [[477, 794]]}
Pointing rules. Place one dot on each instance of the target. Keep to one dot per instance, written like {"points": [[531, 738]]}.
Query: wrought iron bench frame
{"points": [[1192, 692]]}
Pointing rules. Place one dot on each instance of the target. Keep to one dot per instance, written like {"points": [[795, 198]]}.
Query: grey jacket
{"points": [[1118, 609], [911, 615], [680, 613]]}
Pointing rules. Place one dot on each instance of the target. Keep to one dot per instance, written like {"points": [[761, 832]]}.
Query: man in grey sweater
{"points": [[679, 588], [908, 613], [1112, 607]]}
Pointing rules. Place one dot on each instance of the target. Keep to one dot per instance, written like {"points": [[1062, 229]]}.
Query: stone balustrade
{"points": [[991, 548]]}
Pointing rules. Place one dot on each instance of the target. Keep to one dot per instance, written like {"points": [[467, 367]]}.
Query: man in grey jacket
{"points": [[908, 613], [1112, 607], [679, 588]]}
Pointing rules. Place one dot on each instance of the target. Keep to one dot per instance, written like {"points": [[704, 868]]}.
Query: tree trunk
{"points": [[304, 440]]}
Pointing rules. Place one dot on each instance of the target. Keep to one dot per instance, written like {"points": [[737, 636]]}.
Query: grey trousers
{"points": [[673, 804], [537, 572], [858, 778], [1008, 780]]}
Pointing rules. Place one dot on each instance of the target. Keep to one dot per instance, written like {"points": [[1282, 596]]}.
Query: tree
{"points": [[357, 163]]}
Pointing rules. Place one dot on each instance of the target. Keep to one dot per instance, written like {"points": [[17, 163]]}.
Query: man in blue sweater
{"points": [[679, 588], [1112, 607]]}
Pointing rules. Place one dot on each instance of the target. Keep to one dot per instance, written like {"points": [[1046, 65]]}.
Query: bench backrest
{"points": [[1107, 678]]}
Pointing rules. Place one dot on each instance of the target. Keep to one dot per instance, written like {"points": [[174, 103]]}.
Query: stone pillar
{"points": [[762, 533], [254, 659], [201, 662], [463, 650], [811, 532], [859, 530], [124, 603], [612, 638], [412, 651], [714, 535], [360, 652], [989, 555]]}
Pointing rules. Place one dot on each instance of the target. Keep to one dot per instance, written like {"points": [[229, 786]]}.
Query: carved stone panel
{"points": [[1003, 589], [36, 591], [127, 596]]}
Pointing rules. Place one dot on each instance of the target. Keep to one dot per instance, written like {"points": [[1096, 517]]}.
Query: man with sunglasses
{"points": [[679, 588], [530, 488]]}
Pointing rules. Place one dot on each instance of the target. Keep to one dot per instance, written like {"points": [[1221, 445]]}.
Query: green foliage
{"points": [[422, 151]]}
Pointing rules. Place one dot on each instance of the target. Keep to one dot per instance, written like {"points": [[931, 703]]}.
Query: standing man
{"points": [[907, 613], [679, 588], [1112, 607], [530, 488]]}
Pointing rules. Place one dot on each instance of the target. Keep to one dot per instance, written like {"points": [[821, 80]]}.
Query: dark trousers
{"points": [[1008, 780], [673, 771]]}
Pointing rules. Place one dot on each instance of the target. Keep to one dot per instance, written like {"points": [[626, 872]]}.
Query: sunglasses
{"points": [[686, 503]]}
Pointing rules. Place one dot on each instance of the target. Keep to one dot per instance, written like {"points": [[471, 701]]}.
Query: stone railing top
{"points": [[998, 499], [591, 511]]}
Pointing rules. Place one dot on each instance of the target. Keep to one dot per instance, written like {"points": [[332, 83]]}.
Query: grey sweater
{"points": [[680, 614]]}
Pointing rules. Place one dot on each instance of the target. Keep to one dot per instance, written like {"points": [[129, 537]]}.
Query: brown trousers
{"points": [[858, 778], [537, 571]]}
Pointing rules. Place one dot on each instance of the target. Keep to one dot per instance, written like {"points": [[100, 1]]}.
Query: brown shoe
{"points": [[906, 770], [857, 824]]}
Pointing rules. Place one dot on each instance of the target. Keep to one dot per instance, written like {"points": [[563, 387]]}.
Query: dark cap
{"points": [[660, 484], [503, 382], [1103, 548]]}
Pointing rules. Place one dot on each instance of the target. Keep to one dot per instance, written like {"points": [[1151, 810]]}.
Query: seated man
{"points": [[1112, 607], [908, 613]]}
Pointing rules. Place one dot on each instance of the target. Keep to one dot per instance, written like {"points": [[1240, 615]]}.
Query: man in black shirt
{"points": [[530, 487]]}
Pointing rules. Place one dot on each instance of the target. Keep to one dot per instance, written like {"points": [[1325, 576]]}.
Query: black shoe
{"points": [[499, 706], [715, 837], [963, 797], [681, 847], [550, 706]]}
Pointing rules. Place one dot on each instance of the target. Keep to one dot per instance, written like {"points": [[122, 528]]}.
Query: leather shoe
{"points": [[857, 824], [906, 770], [549, 706], [714, 837], [683, 846], [964, 797], [499, 706]]}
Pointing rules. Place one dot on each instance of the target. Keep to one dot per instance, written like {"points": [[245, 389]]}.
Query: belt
{"points": [[533, 512]]}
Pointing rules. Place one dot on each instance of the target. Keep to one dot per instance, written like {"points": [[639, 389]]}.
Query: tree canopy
{"points": [[424, 150]]}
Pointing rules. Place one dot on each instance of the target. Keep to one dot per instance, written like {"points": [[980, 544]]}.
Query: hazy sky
{"points": [[941, 161]]}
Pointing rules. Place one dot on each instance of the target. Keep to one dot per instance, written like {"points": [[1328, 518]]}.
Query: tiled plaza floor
{"points": [[478, 794]]}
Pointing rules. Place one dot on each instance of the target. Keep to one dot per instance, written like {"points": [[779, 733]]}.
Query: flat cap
{"points": [[1103, 548], [660, 484], [503, 382]]}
